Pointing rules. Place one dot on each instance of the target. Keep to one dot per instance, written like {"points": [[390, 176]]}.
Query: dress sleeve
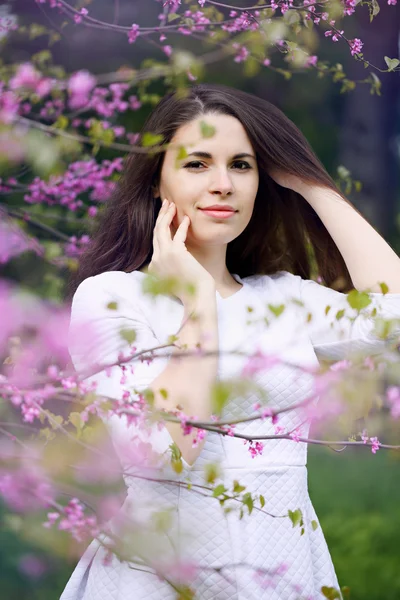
{"points": [[106, 310], [106, 320], [337, 330]]}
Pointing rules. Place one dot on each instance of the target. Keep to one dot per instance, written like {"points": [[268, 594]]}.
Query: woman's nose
{"points": [[221, 183]]}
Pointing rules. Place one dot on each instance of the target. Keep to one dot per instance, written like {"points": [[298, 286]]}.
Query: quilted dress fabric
{"points": [[228, 549]]}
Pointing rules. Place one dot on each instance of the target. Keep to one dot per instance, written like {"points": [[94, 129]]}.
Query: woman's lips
{"points": [[218, 214]]}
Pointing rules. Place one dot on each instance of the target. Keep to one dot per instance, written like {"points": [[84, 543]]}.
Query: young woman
{"points": [[244, 200]]}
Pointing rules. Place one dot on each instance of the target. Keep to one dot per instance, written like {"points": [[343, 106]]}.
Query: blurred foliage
{"points": [[356, 496]]}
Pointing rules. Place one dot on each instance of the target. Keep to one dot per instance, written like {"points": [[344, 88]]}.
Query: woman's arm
{"points": [[368, 257]]}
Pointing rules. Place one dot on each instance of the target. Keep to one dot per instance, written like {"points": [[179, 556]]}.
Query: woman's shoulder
{"points": [[119, 283]]}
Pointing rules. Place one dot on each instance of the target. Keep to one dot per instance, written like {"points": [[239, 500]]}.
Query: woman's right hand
{"points": [[171, 258]]}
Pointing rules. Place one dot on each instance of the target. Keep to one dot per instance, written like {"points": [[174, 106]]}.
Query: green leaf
{"points": [[248, 501], [162, 520], [340, 314], [296, 516], [182, 153], [219, 490], [172, 17], [358, 300], [277, 310], [330, 592], [237, 488], [343, 172], [211, 472], [177, 465], [129, 335], [374, 10], [207, 131], [262, 501], [151, 139], [220, 395], [112, 305], [392, 63], [76, 420], [61, 123], [314, 525], [384, 288]]}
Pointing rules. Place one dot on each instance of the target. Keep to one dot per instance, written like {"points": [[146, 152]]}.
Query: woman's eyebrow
{"points": [[208, 155]]}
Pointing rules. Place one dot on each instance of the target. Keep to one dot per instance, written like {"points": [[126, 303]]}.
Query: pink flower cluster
{"points": [[258, 362], [13, 241], [355, 46], [27, 77], [26, 489], [80, 85], [393, 397], [73, 519], [187, 429], [80, 177], [266, 412], [296, 434], [375, 442], [244, 22], [255, 448], [269, 579], [199, 19], [82, 13]]}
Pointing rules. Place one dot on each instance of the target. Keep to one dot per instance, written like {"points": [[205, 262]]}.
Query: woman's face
{"points": [[221, 169]]}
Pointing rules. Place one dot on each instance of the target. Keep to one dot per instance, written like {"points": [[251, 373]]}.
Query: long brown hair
{"points": [[284, 232]]}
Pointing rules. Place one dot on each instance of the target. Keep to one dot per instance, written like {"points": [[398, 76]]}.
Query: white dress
{"points": [[298, 565]]}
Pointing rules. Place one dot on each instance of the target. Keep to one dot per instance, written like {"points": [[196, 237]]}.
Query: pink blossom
{"points": [[133, 33], [312, 62], [32, 566], [26, 489], [259, 362], [26, 77], [83, 12], [255, 448], [242, 53], [191, 77], [295, 435], [375, 444], [266, 62], [341, 365], [79, 86], [349, 7], [92, 211], [72, 518], [355, 46], [8, 106], [392, 2], [180, 571], [393, 397]]}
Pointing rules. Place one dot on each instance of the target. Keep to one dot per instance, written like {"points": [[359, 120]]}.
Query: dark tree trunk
{"points": [[370, 127]]}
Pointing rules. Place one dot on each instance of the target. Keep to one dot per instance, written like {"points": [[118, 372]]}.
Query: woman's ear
{"points": [[155, 191]]}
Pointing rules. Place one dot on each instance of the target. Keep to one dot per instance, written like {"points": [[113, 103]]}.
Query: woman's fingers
{"points": [[181, 232], [156, 231]]}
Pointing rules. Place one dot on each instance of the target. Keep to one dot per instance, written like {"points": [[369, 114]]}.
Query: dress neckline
{"points": [[219, 297], [239, 280]]}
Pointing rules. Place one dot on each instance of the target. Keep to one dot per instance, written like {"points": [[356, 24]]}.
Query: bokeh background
{"points": [[356, 494]]}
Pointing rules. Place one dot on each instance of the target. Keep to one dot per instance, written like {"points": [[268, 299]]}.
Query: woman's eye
{"points": [[241, 165], [193, 165]]}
